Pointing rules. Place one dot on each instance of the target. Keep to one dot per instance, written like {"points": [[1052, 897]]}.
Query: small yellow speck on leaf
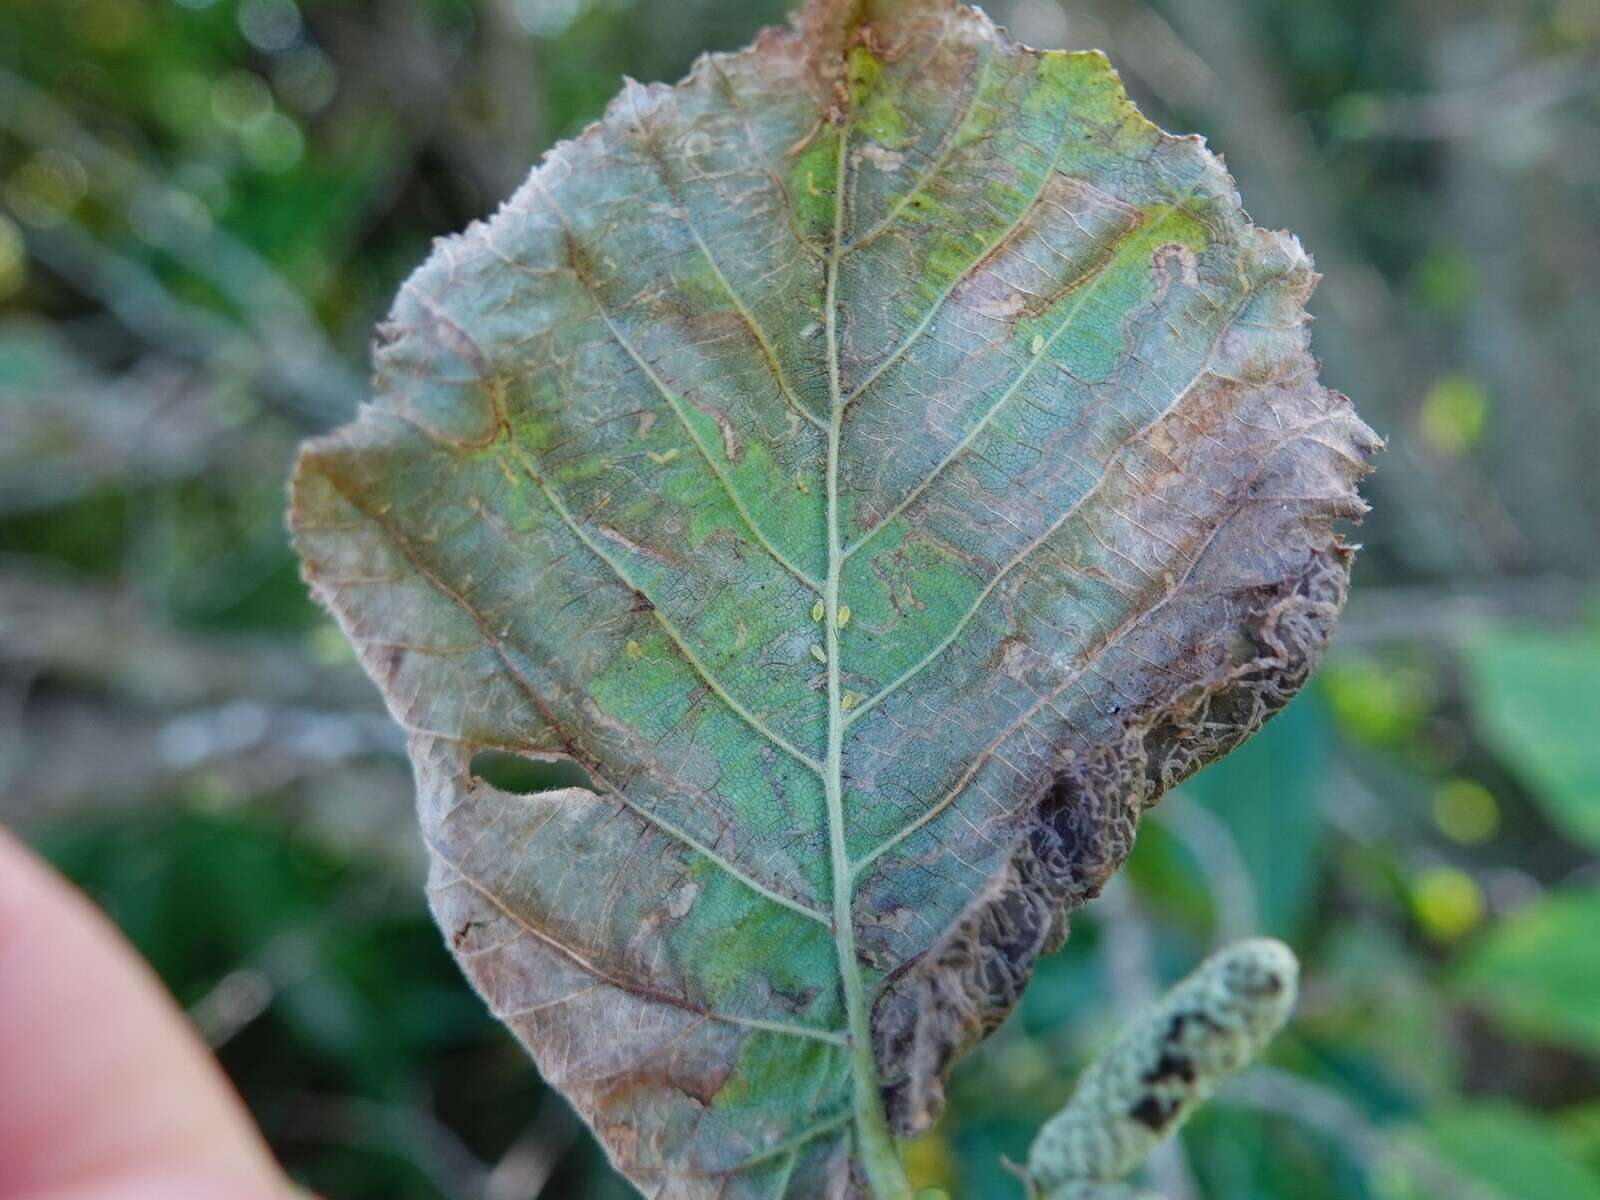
{"points": [[850, 699], [816, 611], [661, 457], [844, 615], [818, 653], [633, 649], [1038, 343], [802, 485], [741, 635]]}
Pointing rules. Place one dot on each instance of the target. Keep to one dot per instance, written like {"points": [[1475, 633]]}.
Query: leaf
{"points": [[1266, 797], [888, 312], [1538, 971], [1535, 695], [1516, 1153], [1579, 1127]]}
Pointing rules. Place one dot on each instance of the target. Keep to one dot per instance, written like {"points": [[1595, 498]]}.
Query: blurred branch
{"points": [[67, 756], [133, 294], [398, 57], [1470, 111], [324, 385], [1153, 53], [1216, 853], [110, 706], [525, 1169], [157, 420], [411, 1133], [407, 1131], [232, 1005], [1354, 809], [293, 956], [163, 704], [104, 637], [1277, 1093], [1460, 608]]}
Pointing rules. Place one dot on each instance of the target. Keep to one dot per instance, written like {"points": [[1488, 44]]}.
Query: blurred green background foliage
{"points": [[205, 207]]}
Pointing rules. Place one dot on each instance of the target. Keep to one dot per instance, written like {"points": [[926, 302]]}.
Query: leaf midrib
{"points": [[875, 1146]]}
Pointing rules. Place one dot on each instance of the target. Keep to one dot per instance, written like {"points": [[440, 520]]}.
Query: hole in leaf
{"points": [[525, 776]]}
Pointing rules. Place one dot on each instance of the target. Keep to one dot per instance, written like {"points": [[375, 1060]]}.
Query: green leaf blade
{"points": [[1509, 1152], [1534, 693], [1538, 971], [884, 463]]}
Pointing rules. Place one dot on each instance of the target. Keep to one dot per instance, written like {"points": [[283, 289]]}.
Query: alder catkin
{"points": [[1162, 1067]]}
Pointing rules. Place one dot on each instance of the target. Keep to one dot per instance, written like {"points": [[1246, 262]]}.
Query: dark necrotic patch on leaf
{"points": [[1081, 829]]}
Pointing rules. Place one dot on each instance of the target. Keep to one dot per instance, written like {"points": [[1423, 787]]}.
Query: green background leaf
{"points": [[1267, 795], [1536, 695], [1538, 971], [1512, 1151]]}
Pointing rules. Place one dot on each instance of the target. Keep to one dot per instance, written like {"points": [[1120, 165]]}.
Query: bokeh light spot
{"points": [[44, 190], [270, 25], [1465, 812], [13, 259], [275, 145], [1377, 703], [1446, 902], [1452, 415], [305, 78], [241, 100]]}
